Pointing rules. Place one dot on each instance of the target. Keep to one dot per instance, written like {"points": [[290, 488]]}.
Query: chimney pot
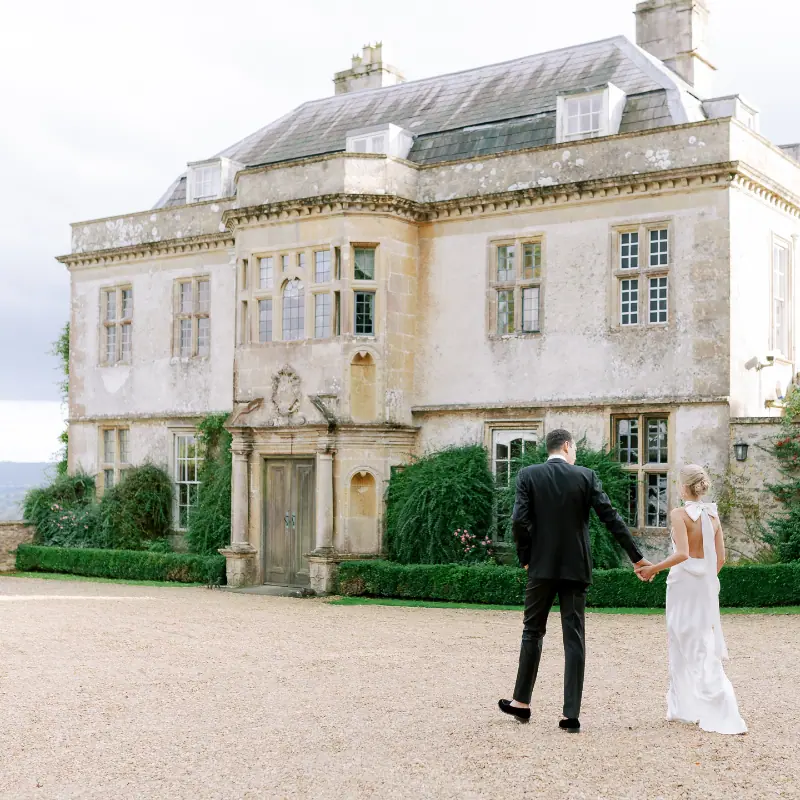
{"points": [[368, 71]]}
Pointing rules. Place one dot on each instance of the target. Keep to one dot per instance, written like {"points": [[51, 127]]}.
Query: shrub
{"points": [[210, 520], [784, 529], [138, 509], [430, 498], [606, 553], [754, 585], [64, 513], [125, 564]]}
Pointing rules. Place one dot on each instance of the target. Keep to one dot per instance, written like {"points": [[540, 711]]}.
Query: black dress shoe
{"points": [[522, 714], [570, 725]]}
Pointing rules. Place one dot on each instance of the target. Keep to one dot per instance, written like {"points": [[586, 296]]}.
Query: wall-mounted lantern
{"points": [[740, 449]]}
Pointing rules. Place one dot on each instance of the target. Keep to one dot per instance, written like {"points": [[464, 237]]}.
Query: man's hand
{"points": [[639, 565], [525, 568], [647, 572]]}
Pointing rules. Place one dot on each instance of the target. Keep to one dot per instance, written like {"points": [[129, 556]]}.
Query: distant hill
{"points": [[15, 480]]}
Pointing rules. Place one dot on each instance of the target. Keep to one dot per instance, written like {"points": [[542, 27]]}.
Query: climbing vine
{"points": [[210, 520]]}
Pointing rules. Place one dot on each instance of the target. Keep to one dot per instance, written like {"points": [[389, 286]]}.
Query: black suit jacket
{"points": [[551, 521]]}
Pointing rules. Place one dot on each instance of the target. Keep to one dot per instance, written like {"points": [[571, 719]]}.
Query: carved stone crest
{"points": [[286, 392]]}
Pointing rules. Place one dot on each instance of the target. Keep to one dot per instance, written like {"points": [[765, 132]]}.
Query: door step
{"points": [[276, 591]]}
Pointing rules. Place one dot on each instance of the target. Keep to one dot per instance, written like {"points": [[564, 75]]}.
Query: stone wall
{"points": [[12, 534], [743, 492]]}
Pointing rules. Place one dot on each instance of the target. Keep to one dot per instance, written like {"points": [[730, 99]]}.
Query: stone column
{"points": [[241, 555], [322, 563], [324, 502]]}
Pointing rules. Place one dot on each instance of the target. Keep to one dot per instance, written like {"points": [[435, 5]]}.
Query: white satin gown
{"points": [[699, 690]]}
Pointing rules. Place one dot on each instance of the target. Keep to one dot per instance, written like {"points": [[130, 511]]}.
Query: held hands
{"points": [[645, 571]]}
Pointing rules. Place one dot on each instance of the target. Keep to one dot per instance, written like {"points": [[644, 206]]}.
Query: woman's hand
{"points": [[647, 572]]}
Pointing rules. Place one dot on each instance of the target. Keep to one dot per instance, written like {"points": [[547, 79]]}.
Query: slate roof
{"points": [[491, 109]]}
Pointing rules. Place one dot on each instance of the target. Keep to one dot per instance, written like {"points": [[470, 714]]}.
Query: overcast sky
{"points": [[103, 103]]}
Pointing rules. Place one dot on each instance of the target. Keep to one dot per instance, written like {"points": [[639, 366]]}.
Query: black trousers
{"points": [[539, 597]]}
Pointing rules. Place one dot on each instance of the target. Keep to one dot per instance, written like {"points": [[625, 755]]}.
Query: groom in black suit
{"points": [[551, 531]]}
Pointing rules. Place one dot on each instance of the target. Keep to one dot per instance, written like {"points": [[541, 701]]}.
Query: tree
{"points": [[61, 351]]}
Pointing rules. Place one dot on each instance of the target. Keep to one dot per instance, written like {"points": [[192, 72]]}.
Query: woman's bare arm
{"points": [[719, 544], [681, 538]]}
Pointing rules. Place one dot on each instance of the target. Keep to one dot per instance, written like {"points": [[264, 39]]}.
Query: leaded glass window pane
{"points": [[629, 250], [364, 264], [203, 296], [658, 300], [293, 311], [505, 312], [530, 309], [127, 303], [322, 266], [203, 336], [659, 247], [657, 441], [111, 344], [322, 316], [628, 440], [265, 320], [109, 446], [186, 298], [629, 302], [532, 260], [656, 500], [124, 449], [505, 263], [186, 338], [265, 273], [365, 314]]}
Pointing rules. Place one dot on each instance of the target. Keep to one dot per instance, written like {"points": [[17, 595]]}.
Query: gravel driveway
{"points": [[111, 691]]}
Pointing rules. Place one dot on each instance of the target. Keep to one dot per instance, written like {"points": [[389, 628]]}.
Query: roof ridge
{"points": [[417, 81]]}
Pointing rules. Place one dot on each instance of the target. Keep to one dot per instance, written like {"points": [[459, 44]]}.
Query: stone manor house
{"points": [[586, 238]]}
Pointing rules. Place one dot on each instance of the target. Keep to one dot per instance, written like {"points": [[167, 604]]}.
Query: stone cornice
{"points": [[731, 173], [341, 203], [585, 191], [500, 203], [601, 403], [755, 183], [167, 247]]}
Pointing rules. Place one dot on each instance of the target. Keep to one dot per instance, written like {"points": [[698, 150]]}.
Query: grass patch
{"points": [[60, 576], [378, 601]]}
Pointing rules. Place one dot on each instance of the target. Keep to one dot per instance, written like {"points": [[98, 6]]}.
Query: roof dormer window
{"points": [[589, 113], [205, 182], [583, 116], [210, 179], [388, 140], [369, 144]]}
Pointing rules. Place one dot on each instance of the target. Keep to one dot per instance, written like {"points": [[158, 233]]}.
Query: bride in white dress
{"points": [[699, 691]]}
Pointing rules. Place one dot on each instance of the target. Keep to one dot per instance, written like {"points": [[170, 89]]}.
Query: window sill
{"points": [[188, 359], [641, 327], [518, 335]]}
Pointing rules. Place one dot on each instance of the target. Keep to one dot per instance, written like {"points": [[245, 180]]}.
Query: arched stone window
{"points": [[363, 390], [293, 311]]}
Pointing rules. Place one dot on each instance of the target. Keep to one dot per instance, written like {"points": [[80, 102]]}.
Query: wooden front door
{"points": [[288, 521]]}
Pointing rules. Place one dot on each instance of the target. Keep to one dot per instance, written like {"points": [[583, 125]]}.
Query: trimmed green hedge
{"points": [[751, 585], [127, 564]]}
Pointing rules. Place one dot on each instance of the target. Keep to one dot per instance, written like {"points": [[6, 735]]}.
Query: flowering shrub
{"points": [[787, 449], [74, 527], [431, 497], [475, 549]]}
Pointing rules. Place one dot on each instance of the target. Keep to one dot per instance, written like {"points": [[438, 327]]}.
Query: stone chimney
{"points": [[367, 72], [676, 32]]}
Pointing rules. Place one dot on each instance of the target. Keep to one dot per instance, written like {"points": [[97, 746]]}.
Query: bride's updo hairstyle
{"points": [[695, 480]]}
